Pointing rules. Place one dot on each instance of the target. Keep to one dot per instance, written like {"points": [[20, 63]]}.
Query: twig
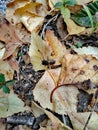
{"points": [[43, 30], [92, 110]]}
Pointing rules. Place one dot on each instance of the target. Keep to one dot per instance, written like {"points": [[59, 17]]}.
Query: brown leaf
{"points": [[80, 68], [9, 36], [58, 49], [13, 63], [6, 69]]}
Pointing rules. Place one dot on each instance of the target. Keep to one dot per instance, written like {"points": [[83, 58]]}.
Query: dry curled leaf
{"points": [[31, 15]]}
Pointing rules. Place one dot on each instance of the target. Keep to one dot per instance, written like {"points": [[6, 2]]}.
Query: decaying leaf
{"points": [[31, 15], [58, 49], [87, 51], [6, 69], [9, 36], [79, 119], [20, 29], [11, 7], [81, 70], [72, 27], [38, 52], [53, 122], [28, 7], [45, 50], [75, 72], [64, 98], [32, 21], [10, 105]]}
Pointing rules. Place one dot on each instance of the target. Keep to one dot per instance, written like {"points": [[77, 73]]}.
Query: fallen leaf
{"points": [[50, 49], [20, 29], [81, 2], [38, 52], [9, 36], [79, 119], [6, 69], [58, 49], [36, 110], [13, 63], [31, 13], [53, 122], [56, 123], [81, 70], [87, 51], [61, 101], [11, 7], [44, 2], [28, 7], [32, 22], [74, 72], [10, 105], [72, 27]]}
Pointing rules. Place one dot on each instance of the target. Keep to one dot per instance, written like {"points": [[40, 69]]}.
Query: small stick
{"points": [[92, 110], [43, 31]]}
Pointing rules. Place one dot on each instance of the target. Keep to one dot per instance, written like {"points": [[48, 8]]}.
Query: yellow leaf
{"points": [[31, 7], [32, 22], [73, 28], [32, 15], [38, 52]]}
